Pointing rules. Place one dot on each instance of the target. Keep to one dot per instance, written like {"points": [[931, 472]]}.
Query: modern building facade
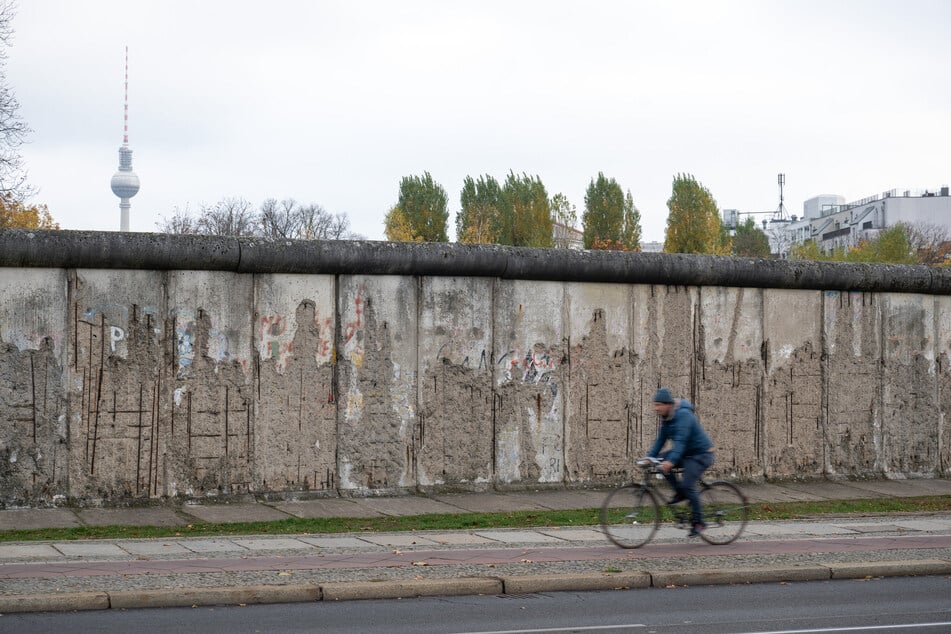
{"points": [[833, 223]]}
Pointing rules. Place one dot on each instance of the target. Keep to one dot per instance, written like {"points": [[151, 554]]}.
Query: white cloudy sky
{"points": [[333, 102]]}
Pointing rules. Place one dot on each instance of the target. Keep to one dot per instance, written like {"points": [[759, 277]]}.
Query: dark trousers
{"points": [[686, 486]]}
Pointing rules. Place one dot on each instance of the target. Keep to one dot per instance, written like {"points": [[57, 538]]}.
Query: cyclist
{"points": [[691, 450]]}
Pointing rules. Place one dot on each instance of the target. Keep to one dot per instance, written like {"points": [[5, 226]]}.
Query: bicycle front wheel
{"points": [[630, 516], [725, 512]]}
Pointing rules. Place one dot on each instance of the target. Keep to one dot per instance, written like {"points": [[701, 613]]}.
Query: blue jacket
{"points": [[684, 431]]}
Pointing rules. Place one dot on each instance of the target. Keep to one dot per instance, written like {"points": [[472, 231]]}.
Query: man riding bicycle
{"points": [[691, 450]]}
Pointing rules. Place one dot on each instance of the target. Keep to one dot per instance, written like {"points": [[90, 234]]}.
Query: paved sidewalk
{"points": [[99, 574]]}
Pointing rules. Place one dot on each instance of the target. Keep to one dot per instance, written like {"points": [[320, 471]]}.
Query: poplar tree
{"points": [[528, 220], [610, 218], [422, 203], [396, 227], [693, 224], [482, 218]]}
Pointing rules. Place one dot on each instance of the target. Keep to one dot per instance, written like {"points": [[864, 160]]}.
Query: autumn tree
{"points": [[631, 231], [397, 228], [482, 218], [422, 205], [13, 130], [890, 246], [603, 211], [528, 212], [932, 242], [807, 250], [17, 215], [750, 241], [693, 222]]}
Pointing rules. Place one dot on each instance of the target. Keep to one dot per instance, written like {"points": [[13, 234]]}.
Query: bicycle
{"points": [[632, 513]]}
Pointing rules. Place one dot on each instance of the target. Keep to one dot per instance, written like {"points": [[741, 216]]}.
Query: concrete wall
{"points": [[120, 384]]}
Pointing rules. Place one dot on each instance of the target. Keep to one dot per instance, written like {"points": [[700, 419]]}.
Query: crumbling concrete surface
{"points": [[125, 385]]}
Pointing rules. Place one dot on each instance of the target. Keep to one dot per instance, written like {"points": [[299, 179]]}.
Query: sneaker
{"points": [[696, 529], [676, 499]]}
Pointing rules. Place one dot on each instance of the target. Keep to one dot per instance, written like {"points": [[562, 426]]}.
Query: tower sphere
{"points": [[125, 184]]}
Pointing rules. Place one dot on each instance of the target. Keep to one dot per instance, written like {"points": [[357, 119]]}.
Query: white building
{"points": [[566, 237], [833, 223]]}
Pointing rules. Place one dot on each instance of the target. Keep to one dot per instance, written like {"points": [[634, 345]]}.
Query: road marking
{"points": [[587, 628], [858, 628]]}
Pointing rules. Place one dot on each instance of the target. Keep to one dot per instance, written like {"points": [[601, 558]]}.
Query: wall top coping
{"points": [[155, 251]]}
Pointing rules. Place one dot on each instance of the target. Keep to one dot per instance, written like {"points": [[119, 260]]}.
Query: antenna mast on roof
{"points": [[781, 211]]}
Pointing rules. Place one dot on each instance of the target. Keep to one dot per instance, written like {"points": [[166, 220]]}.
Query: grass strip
{"points": [[465, 521]]}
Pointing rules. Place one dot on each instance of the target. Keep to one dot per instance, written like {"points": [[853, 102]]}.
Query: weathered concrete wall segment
{"points": [[120, 384]]}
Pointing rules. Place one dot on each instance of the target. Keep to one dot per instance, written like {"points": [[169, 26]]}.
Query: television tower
{"points": [[125, 184]]}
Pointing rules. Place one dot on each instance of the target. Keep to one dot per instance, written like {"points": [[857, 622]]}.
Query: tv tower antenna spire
{"points": [[125, 183]]}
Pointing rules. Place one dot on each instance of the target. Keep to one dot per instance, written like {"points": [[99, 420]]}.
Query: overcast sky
{"points": [[334, 102]]}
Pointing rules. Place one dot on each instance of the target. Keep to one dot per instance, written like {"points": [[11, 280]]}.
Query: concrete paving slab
{"points": [[408, 505], [230, 513], [212, 546], [875, 528], [561, 500], [902, 488], [148, 516], [397, 539], [488, 502], [336, 542], [90, 549], [272, 543], [796, 528], [28, 551], [152, 547], [32, 519], [574, 534], [331, 507], [935, 525], [458, 538], [826, 490], [769, 492], [669, 531], [517, 537]]}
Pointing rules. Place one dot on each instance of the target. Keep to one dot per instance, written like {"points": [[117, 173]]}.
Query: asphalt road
{"points": [[896, 604]]}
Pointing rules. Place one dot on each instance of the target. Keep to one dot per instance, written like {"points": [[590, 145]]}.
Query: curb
{"points": [[188, 597], [408, 588], [709, 577], [529, 584], [349, 590]]}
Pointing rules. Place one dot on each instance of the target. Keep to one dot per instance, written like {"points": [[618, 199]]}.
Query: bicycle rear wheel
{"points": [[725, 512], [630, 516]]}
